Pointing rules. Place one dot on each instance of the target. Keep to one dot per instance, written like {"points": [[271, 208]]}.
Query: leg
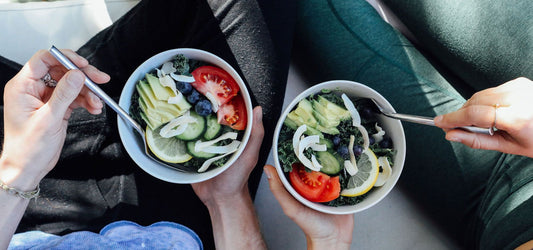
{"points": [[128, 192], [484, 43], [341, 40]]}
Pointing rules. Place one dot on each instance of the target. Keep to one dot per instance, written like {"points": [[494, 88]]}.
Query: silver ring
{"points": [[48, 81], [493, 128]]}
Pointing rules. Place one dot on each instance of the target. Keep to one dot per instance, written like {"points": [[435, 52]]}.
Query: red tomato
{"points": [[331, 191], [314, 186], [233, 113], [214, 80]]}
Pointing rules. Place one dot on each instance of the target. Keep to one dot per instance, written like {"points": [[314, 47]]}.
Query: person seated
{"points": [[464, 67], [95, 182]]}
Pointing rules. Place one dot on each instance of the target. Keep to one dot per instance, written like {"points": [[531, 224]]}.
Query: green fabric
{"points": [[483, 42], [338, 39]]}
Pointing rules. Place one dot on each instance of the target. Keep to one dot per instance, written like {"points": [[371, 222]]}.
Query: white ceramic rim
{"points": [[133, 143], [398, 139]]}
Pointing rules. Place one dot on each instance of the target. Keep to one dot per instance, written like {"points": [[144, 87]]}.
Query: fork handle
{"points": [[97, 90], [429, 121]]}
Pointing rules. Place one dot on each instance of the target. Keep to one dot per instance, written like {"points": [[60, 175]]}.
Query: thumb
{"points": [[287, 202], [66, 91]]}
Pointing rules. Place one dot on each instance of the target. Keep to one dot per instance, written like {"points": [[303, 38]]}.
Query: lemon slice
{"points": [[171, 150], [366, 176]]}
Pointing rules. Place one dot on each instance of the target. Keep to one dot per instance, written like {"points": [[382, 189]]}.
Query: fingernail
{"points": [[454, 139], [267, 173]]}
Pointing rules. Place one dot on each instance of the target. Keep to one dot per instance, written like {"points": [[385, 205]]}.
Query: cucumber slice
{"points": [[213, 128], [330, 164], [194, 130], [197, 154]]}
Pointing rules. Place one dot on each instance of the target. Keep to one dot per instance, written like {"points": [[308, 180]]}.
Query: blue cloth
{"points": [[117, 235]]}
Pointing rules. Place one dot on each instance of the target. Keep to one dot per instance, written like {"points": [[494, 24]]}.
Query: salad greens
{"points": [[182, 124], [329, 122]]}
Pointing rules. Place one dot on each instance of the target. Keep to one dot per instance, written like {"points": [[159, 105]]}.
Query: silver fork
{"points": [[427, 120], [109, 101]]}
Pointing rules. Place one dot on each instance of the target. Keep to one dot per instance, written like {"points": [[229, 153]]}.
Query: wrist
{"points": [[329, 243], [237, 199], [235, 224], [18, 177]]}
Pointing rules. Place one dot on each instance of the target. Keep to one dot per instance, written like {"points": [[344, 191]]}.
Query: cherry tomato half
{"points": [[216, 81], [233, 113], [314, 186]]}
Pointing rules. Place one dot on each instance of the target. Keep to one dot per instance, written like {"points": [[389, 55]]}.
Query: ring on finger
{"points": [[493, 128], [48, 81]]}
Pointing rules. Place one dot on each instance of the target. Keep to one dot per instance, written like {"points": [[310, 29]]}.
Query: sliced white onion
{"points": [[316, 165], [296, 137], [208, 162], [304, 143], [222, 149], [366, 139], [200, 145], [318, 147], [167, 81], [213, 100], [159, 73], [356, 118], [167, 68], [352, 167], [177, 126], [182, 78], [378, 136], [176, 99], [387, 171]]}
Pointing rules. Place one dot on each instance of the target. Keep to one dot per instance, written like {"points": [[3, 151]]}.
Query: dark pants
{"points": [[482, 198], [95, 181]]}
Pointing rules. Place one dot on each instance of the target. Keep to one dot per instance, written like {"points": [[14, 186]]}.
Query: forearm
{"points": [[12, 207], [235, 223]]}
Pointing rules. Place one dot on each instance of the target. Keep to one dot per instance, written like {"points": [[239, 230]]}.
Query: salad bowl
{"points": [[135, 146], [392, 127]]}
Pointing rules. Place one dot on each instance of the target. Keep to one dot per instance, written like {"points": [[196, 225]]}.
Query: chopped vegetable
{"points": [[163, 101], [324, 134]]}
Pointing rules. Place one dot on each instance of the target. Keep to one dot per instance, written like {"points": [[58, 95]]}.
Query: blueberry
{"points": [[357, 150], [343, 152], [386, 143], [371, 140], [203, 107], [367, 112], [184, 87], [336, 141], [194, 97]]}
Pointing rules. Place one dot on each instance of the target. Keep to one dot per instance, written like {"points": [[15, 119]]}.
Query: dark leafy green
{"points": [[135, 109], [286, 152]]}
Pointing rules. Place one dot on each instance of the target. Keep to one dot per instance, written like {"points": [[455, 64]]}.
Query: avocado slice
{"points": [[161, 92], [339, 112]]}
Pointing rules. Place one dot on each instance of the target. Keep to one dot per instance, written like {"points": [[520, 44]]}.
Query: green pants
{"points": [[483, 198]]}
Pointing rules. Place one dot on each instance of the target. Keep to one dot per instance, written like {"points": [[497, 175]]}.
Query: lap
{"points": [[95, 181], [349, 40]]}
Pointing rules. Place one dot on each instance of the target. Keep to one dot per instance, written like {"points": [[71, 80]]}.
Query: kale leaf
{"points": [[181, 64], [135, 109]]}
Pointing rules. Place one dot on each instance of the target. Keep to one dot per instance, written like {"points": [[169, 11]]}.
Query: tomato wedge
{"points": [[314, 186], [233, 113], [215, 81], [331, 191]]}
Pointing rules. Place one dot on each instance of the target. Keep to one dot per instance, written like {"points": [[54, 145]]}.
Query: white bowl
{"points": [[392, 127], [132, 141]]}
